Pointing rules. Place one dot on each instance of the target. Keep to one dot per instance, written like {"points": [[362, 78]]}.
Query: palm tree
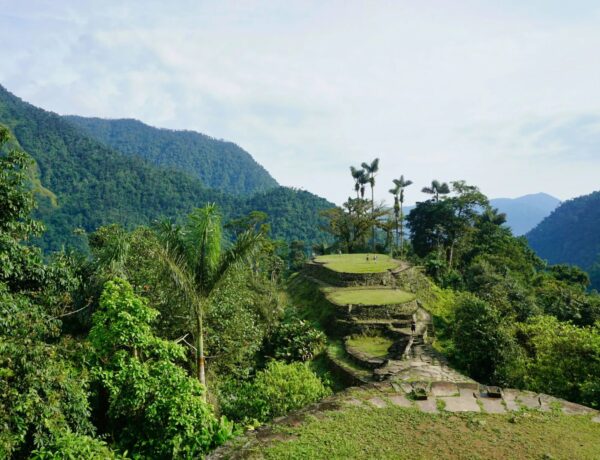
{"points": [[363, 180], [437, 189], [357, 175], [195, 262], [370, 171], [398, 192]]}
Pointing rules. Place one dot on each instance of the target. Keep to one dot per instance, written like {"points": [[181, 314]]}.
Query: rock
{"points": [[427, 405], [462, 403], [400, 400], [444, 389]]}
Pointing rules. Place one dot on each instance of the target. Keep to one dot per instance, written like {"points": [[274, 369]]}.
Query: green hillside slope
{"points": [[570, 234], [218, 164], [94, 185]]}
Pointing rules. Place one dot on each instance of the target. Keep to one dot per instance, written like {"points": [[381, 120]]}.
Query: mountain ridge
{"points": [[219, 164]]}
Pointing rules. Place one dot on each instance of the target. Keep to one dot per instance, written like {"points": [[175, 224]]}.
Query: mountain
{"points": [[571, 233], [84, 183], [525, 212], [218, 164]]}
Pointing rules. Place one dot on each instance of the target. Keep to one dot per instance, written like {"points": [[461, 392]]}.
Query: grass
{"points": [[376, 346], [405, 433], [366, 296], [357, 263], [336, 351]]}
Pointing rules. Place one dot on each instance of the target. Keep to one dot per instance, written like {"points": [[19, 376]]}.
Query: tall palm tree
{"points": [[363, 180], [194, 260], [398, 192], [358, 176], [437, 188], [370, 171]]}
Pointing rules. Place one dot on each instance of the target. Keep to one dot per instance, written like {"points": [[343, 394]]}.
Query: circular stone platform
{"points": [[357, 263]]}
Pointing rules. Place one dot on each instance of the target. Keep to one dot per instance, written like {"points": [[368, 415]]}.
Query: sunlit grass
{"points": [[376, 346], [357, 263], [367, 296]]}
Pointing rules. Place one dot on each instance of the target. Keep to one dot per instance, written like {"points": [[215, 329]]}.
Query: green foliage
{"points": [[70, 446], [483, 343], [275, 391], [218, 164], [296, 340], [562, 359], [155, 408], [42, 393], [570, 234]]}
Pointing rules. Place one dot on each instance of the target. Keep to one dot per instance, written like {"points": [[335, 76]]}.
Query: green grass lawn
{"points": [[403, 433], [367, 296], [336, 350], [357, 263], [376, 346]]}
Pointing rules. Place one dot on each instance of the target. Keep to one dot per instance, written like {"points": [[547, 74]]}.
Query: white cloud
{"points": [[496, 94]]}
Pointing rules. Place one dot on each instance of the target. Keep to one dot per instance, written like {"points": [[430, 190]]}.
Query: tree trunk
{"points": [[200, 373], [401, 229], [373, 215]]}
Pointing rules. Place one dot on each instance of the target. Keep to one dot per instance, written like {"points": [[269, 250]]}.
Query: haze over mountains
{"points": [[525, 212]]}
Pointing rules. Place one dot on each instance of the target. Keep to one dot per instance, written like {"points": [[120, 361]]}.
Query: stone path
{"points": [[459, 397]]}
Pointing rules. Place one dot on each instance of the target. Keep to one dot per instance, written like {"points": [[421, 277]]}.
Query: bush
{"points": [[70, 446], [275, 391], [296, 340]]}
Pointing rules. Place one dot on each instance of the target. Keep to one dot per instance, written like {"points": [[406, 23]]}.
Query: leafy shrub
{"points": [[71, 446], [275, 391], [296, 340], [155, 409]]}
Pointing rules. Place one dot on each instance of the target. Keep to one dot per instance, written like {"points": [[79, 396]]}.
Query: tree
{"points": [[195, 262], [358, 176], [371, 170], [155, 409], [436, 189], [398, 192]]}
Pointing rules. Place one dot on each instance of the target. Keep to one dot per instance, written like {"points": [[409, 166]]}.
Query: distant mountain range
{"points": [[571, 234], [525, 212], [85, 181]]}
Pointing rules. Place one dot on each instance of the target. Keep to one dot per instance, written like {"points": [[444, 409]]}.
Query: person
{"points": [[413, 327], [367, 257], [375, 257]]}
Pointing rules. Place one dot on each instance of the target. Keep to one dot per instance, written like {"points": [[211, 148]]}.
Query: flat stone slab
{"points": [[400, 400], [510, 400], [596, 419], [444, 389], [428, 405], [492, 405], [463, 403], [575, 409], [377, 402], [468, 389], [529, 399], [547, 402], [353, 402]]}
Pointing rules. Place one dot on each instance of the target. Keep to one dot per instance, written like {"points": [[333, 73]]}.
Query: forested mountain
{"points": [[570, 234], [87, 184], [525, 212], [219, 164]]}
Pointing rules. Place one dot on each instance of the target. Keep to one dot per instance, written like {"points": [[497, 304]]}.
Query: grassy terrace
{"points": [[376, 346], [405, 433], [357, 263], [367, 296], [336, 351]]}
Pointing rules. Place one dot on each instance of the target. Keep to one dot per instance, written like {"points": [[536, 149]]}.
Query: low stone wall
{"points": [[363, 359], [339, 279]]}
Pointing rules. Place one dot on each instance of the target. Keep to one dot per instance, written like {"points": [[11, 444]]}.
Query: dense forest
{"points": [[570, 235], [84, 184], [218, 164]]}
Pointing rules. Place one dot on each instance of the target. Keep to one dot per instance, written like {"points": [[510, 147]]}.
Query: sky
{"points": [[502, 94]]}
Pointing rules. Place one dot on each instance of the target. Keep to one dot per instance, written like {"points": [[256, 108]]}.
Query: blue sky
{"points": [[505, 95]]}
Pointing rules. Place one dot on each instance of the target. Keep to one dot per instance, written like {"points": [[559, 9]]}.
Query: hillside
{"points": [[525, 212], [218, 164], [570, 234], [87, 184]]}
